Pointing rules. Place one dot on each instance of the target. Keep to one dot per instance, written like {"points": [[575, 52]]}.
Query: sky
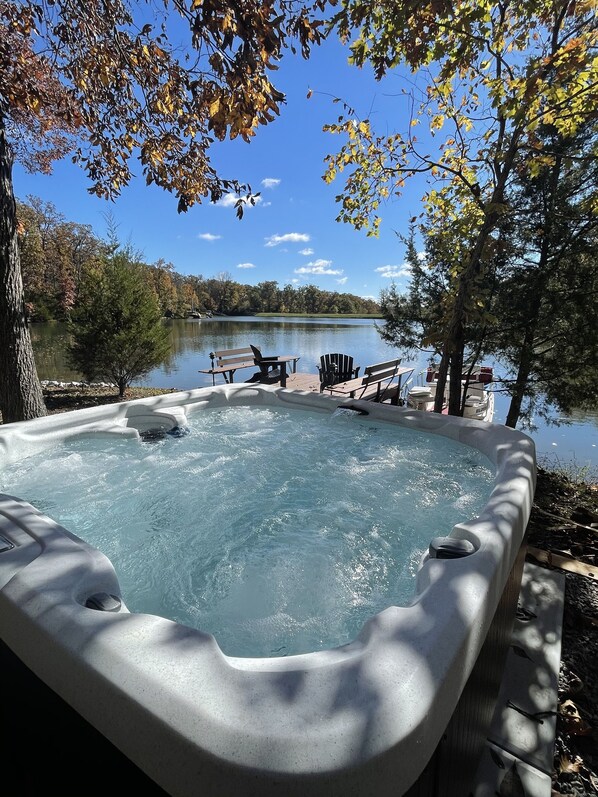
{"points": [[291, 235]]}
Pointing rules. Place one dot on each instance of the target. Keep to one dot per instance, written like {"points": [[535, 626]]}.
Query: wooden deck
{"points": [[310, 383], [304, 382]]}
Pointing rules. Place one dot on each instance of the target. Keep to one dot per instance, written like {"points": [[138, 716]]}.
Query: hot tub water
{"points": [[279, 532]]}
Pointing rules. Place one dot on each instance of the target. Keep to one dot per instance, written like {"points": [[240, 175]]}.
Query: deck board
{"points": [[303, 382]]}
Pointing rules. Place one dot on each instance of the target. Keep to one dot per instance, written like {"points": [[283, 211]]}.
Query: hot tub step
{"points": [[524, 723], [502, 773]]}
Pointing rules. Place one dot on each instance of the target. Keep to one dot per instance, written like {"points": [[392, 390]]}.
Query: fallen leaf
{"points": [[567, 764], [518, 651], [572, 721]]}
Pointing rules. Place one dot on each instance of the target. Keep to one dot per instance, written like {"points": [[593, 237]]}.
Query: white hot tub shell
{"points": [[380, 716]]}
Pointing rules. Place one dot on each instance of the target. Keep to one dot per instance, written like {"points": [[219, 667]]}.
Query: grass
{"points": [[319, 315], [570, 471]]}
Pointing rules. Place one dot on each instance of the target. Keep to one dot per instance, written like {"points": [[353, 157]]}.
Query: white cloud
{"points": [[245, 265], [287, 238], [390, 272], [342, 280], [208, 236], [306, 251], [270, 182], [230, 200], [319, 267]]}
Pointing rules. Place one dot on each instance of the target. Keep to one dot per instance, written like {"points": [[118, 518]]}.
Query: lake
{"points": [[572, 443]]}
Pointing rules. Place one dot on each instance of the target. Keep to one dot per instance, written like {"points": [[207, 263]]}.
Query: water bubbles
{"points": [[329, 530]]}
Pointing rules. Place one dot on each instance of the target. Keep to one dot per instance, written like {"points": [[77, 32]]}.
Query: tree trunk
{"points": [[526, 352], [443, 370], [454, 340], [455, 386], [21, 395], [525, 363]]}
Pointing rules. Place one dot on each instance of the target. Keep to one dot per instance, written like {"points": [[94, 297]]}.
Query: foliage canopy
{"points": [[117, 80], [486, 77], [160, 82]]}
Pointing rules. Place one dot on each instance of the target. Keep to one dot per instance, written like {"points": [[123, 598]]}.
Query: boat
{"points": [[479, 397], [194, 314]]}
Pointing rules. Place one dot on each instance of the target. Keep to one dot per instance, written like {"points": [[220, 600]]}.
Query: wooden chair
{"points": [[273, 368], [336, 368]]}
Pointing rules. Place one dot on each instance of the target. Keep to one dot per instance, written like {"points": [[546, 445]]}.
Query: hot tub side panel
{"points": [[453, 766]]}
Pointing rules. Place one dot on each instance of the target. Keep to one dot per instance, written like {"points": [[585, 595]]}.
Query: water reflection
{"points": [[50, 341], [193, 340]]}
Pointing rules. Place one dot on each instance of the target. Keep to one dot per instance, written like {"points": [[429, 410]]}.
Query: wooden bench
{"points": [[380, 382], [228, 361]]}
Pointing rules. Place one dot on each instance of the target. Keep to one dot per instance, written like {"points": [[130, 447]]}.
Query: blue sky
{"points": [[291, 236]]}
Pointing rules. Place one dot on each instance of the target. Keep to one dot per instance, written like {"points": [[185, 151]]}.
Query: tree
{"points": [[491, 73], [546, 299], [538, 316], [109, 84], [224, 291], [414, 319], [54, 255], [116, 328]]}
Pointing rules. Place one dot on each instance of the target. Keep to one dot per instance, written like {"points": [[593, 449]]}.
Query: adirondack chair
{"points": [[334, 368], [274, 368]]}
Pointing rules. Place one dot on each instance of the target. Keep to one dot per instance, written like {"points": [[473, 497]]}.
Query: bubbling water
{"points": [[278, 531]]}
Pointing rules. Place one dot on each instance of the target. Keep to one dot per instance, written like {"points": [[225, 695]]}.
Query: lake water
{"points": [[572, 443]]}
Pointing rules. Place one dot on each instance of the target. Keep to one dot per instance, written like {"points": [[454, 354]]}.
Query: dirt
{"points": [[63, 399], [564, 521]]}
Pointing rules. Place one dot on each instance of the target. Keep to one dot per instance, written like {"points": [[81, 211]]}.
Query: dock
{"points": [[309, 383]]}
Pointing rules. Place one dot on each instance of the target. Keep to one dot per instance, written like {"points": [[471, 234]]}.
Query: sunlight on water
{"points": [[279, 532]]}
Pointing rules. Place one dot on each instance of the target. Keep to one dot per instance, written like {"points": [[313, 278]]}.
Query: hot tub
{"points": [[401, 709]]}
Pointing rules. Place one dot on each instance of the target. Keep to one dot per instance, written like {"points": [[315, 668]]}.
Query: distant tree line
{"points": [[58, 256]]}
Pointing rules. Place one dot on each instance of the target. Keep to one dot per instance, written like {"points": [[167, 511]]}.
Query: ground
{"points": [[564, 522]]}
